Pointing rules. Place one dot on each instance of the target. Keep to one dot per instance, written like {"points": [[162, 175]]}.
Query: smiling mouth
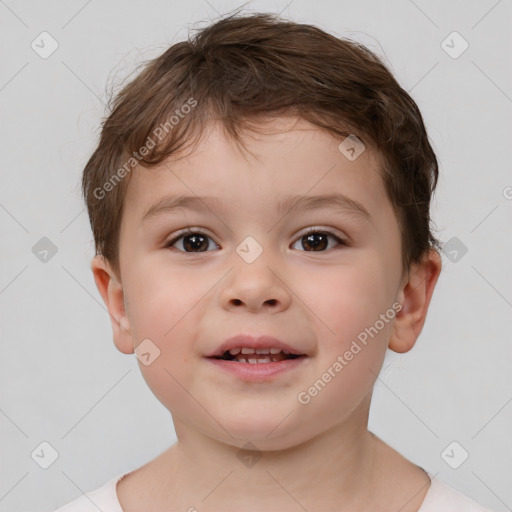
{"points": [[254, 358]]}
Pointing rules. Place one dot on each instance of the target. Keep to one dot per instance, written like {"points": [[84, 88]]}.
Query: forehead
{"points": [[285, 157]]}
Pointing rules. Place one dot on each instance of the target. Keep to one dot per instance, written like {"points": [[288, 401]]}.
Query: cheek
{"points": [[348, 305], [169, 379], [351, 352], [165, 307], [349, 300], [163, 303]]}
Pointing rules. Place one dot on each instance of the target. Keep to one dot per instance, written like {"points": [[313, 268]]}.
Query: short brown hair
{"points": [[244, 67]]}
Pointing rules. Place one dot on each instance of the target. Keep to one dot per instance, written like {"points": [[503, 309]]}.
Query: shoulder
{"points": [[104, 498], [443, 498]]}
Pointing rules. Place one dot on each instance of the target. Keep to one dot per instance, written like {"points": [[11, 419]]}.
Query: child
{"points": [[260, 200]]}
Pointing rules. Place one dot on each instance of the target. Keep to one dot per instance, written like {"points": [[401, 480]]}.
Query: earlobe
{"points": [[415, 298], [112, 293]]}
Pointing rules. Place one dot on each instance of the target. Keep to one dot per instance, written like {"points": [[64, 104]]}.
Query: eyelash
{"points": [[188, 232]]}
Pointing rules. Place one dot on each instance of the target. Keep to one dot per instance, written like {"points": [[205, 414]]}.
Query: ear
{"points": [[415, 295], [111, 290]]}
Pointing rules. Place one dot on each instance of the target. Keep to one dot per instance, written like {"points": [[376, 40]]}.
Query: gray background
{"points": [[62, 379]]}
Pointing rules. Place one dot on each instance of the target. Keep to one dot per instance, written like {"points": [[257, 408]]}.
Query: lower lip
{"points": [[258, 371]]}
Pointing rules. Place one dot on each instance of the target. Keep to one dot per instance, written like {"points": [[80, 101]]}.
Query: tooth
{"points": [[286, 352], [262, 359], [235, 351], [262, 351], [247, 350], [275, 350]]}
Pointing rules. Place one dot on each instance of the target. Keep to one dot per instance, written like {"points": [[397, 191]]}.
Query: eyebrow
{"points": [[170, 204], [291, 203], [337, 202]]}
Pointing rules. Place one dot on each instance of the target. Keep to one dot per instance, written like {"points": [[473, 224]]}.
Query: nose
{"points": [[256, 286]]}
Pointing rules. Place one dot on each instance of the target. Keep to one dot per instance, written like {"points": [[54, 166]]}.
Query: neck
{"points": [[334, 470]]}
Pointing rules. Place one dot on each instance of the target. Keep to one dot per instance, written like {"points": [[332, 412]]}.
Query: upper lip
{"points": [[255, 342]]}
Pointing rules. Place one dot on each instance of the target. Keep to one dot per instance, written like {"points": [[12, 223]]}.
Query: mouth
{"points": [[257, 356], [259, 367], [256, 359]]}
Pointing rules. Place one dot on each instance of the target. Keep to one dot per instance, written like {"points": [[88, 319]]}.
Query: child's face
{"points": [[189, 303]]}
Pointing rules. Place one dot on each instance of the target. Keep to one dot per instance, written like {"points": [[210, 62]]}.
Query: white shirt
{"points": [[439, 498]]}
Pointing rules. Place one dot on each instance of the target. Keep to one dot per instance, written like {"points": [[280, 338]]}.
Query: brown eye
{"points": [[318, 241], [192, 241]]}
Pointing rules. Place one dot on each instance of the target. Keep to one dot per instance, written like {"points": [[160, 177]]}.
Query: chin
{"points": [[259, 442], [265, 431]]}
